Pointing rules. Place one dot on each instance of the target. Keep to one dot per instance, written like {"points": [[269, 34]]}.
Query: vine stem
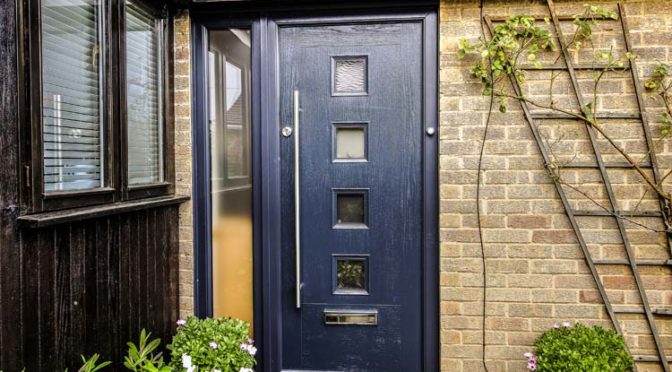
{"points": [[596, 126]]}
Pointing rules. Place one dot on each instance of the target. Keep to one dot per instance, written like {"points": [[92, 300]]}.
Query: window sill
{"points": [[77, 214]]}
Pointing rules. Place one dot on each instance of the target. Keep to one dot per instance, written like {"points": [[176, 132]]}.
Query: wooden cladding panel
{"points": [[10, 322], [88, 287]]}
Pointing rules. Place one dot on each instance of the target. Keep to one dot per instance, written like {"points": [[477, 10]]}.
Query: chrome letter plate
{"points": [[351, 317]]}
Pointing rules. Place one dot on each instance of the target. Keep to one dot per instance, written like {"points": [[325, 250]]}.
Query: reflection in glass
{"points": [[231, 185], [73, 56], [350, 208], [144, 96], [351, 274], [235, 120], [350, 143]]}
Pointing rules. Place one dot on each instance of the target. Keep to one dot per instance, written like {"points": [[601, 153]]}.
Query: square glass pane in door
{"points": [[350, 143], [351, 274], [350, 209], [350, 76]]}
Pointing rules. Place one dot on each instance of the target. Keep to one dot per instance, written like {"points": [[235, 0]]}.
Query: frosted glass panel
{"points": [[350, 143], [350, 75], [229, 65]]}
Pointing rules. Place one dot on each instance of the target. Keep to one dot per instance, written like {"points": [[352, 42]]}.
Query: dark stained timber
{"points": [[88, 287], [75, 281], [10, 258]]}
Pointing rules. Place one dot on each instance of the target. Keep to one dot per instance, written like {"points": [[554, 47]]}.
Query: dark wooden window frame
{"points": [[115, 186]]}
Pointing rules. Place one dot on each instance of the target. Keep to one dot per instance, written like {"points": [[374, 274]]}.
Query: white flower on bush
{"points": [[213, 345], [249, 348], [252, 350], [246, 370], [186, 363]]}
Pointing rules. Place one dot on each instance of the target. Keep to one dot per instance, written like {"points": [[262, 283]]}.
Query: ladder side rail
{"points": [[644, 116], [609, 189]]}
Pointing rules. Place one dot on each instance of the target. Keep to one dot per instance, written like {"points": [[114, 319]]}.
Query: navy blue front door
{"points": [[351, 95]]}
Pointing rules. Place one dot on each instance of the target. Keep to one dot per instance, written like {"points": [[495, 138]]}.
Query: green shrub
{"points": [[579, 348], [213, 344], [144, 357]]}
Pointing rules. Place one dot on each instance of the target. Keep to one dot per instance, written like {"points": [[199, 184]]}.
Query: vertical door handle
{"points": [[297, 197]]}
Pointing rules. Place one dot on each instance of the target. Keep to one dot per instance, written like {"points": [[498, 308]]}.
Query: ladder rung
{"points": [[628, 310], [649, 358], [662, 311], [596, 213], [638, 262], [608, 164], [596, 67], [603, 116], [640, 310], [563, 17]]}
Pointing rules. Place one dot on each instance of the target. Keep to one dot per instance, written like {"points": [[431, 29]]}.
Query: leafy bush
{"points": [[579, 348], [143, 357], [90, 364], [214, 344]]}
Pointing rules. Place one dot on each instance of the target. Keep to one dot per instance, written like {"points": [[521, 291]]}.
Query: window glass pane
{"points": [[350, 208], [350, 75], [72, 56], [351, 275], [143, 96], [231, 185], [350, 143]]}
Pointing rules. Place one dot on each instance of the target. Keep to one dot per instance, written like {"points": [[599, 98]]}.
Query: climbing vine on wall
{"points": [[520, 40]]}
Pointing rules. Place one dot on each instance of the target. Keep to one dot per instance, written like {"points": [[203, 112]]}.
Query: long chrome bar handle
{"points": [[297, 197]]}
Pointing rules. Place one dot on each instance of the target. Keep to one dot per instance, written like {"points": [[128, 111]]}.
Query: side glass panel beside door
{"points": [[229, 61]]}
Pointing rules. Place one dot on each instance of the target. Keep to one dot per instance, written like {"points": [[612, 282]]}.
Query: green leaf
{"points": [[650, 84], [461, 53]]}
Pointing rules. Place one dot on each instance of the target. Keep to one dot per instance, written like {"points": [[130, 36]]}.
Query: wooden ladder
{"points": [[602, 166]]}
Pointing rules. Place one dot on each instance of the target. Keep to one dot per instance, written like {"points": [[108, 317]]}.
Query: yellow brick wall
{"points": [[183, 180], [536, 270]]}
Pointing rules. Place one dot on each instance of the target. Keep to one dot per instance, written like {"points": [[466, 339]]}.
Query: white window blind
{"points": [[71, 94], [144, 96]]}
